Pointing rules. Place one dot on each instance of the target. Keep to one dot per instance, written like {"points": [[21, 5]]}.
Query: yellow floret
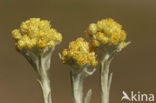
{"points": [[42, 43], [122, 44], [27, 41], [51, 44], [36, 33], [33, 42], [95, 43], [106, 33], [20, 44], [16, 34], [65, 52], [123, 35], [93, 28], [58, 37], [79, 53]]}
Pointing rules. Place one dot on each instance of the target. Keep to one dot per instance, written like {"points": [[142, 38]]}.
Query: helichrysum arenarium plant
{"points": [[79, 56], [36, 40], [108, 37]]}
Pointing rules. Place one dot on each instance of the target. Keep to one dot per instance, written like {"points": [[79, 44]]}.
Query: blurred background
{"points": [[133, 69]]}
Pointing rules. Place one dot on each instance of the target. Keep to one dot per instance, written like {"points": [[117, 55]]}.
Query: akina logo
{"points": [[140, 97]]}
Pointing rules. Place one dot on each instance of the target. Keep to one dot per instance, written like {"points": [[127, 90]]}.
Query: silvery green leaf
{"points": [[88, 96]]}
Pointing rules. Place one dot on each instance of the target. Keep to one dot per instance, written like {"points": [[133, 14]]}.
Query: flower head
{"points": [[79, 54], [36, 34], [107, 34]]}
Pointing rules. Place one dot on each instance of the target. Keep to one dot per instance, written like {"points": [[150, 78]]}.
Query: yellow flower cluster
{"points": [[106, 33], [79, 53], [36, 33]]}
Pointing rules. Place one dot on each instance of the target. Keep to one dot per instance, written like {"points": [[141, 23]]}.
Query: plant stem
{"points": [[105, 78], [45, 80], [77, 87]]}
